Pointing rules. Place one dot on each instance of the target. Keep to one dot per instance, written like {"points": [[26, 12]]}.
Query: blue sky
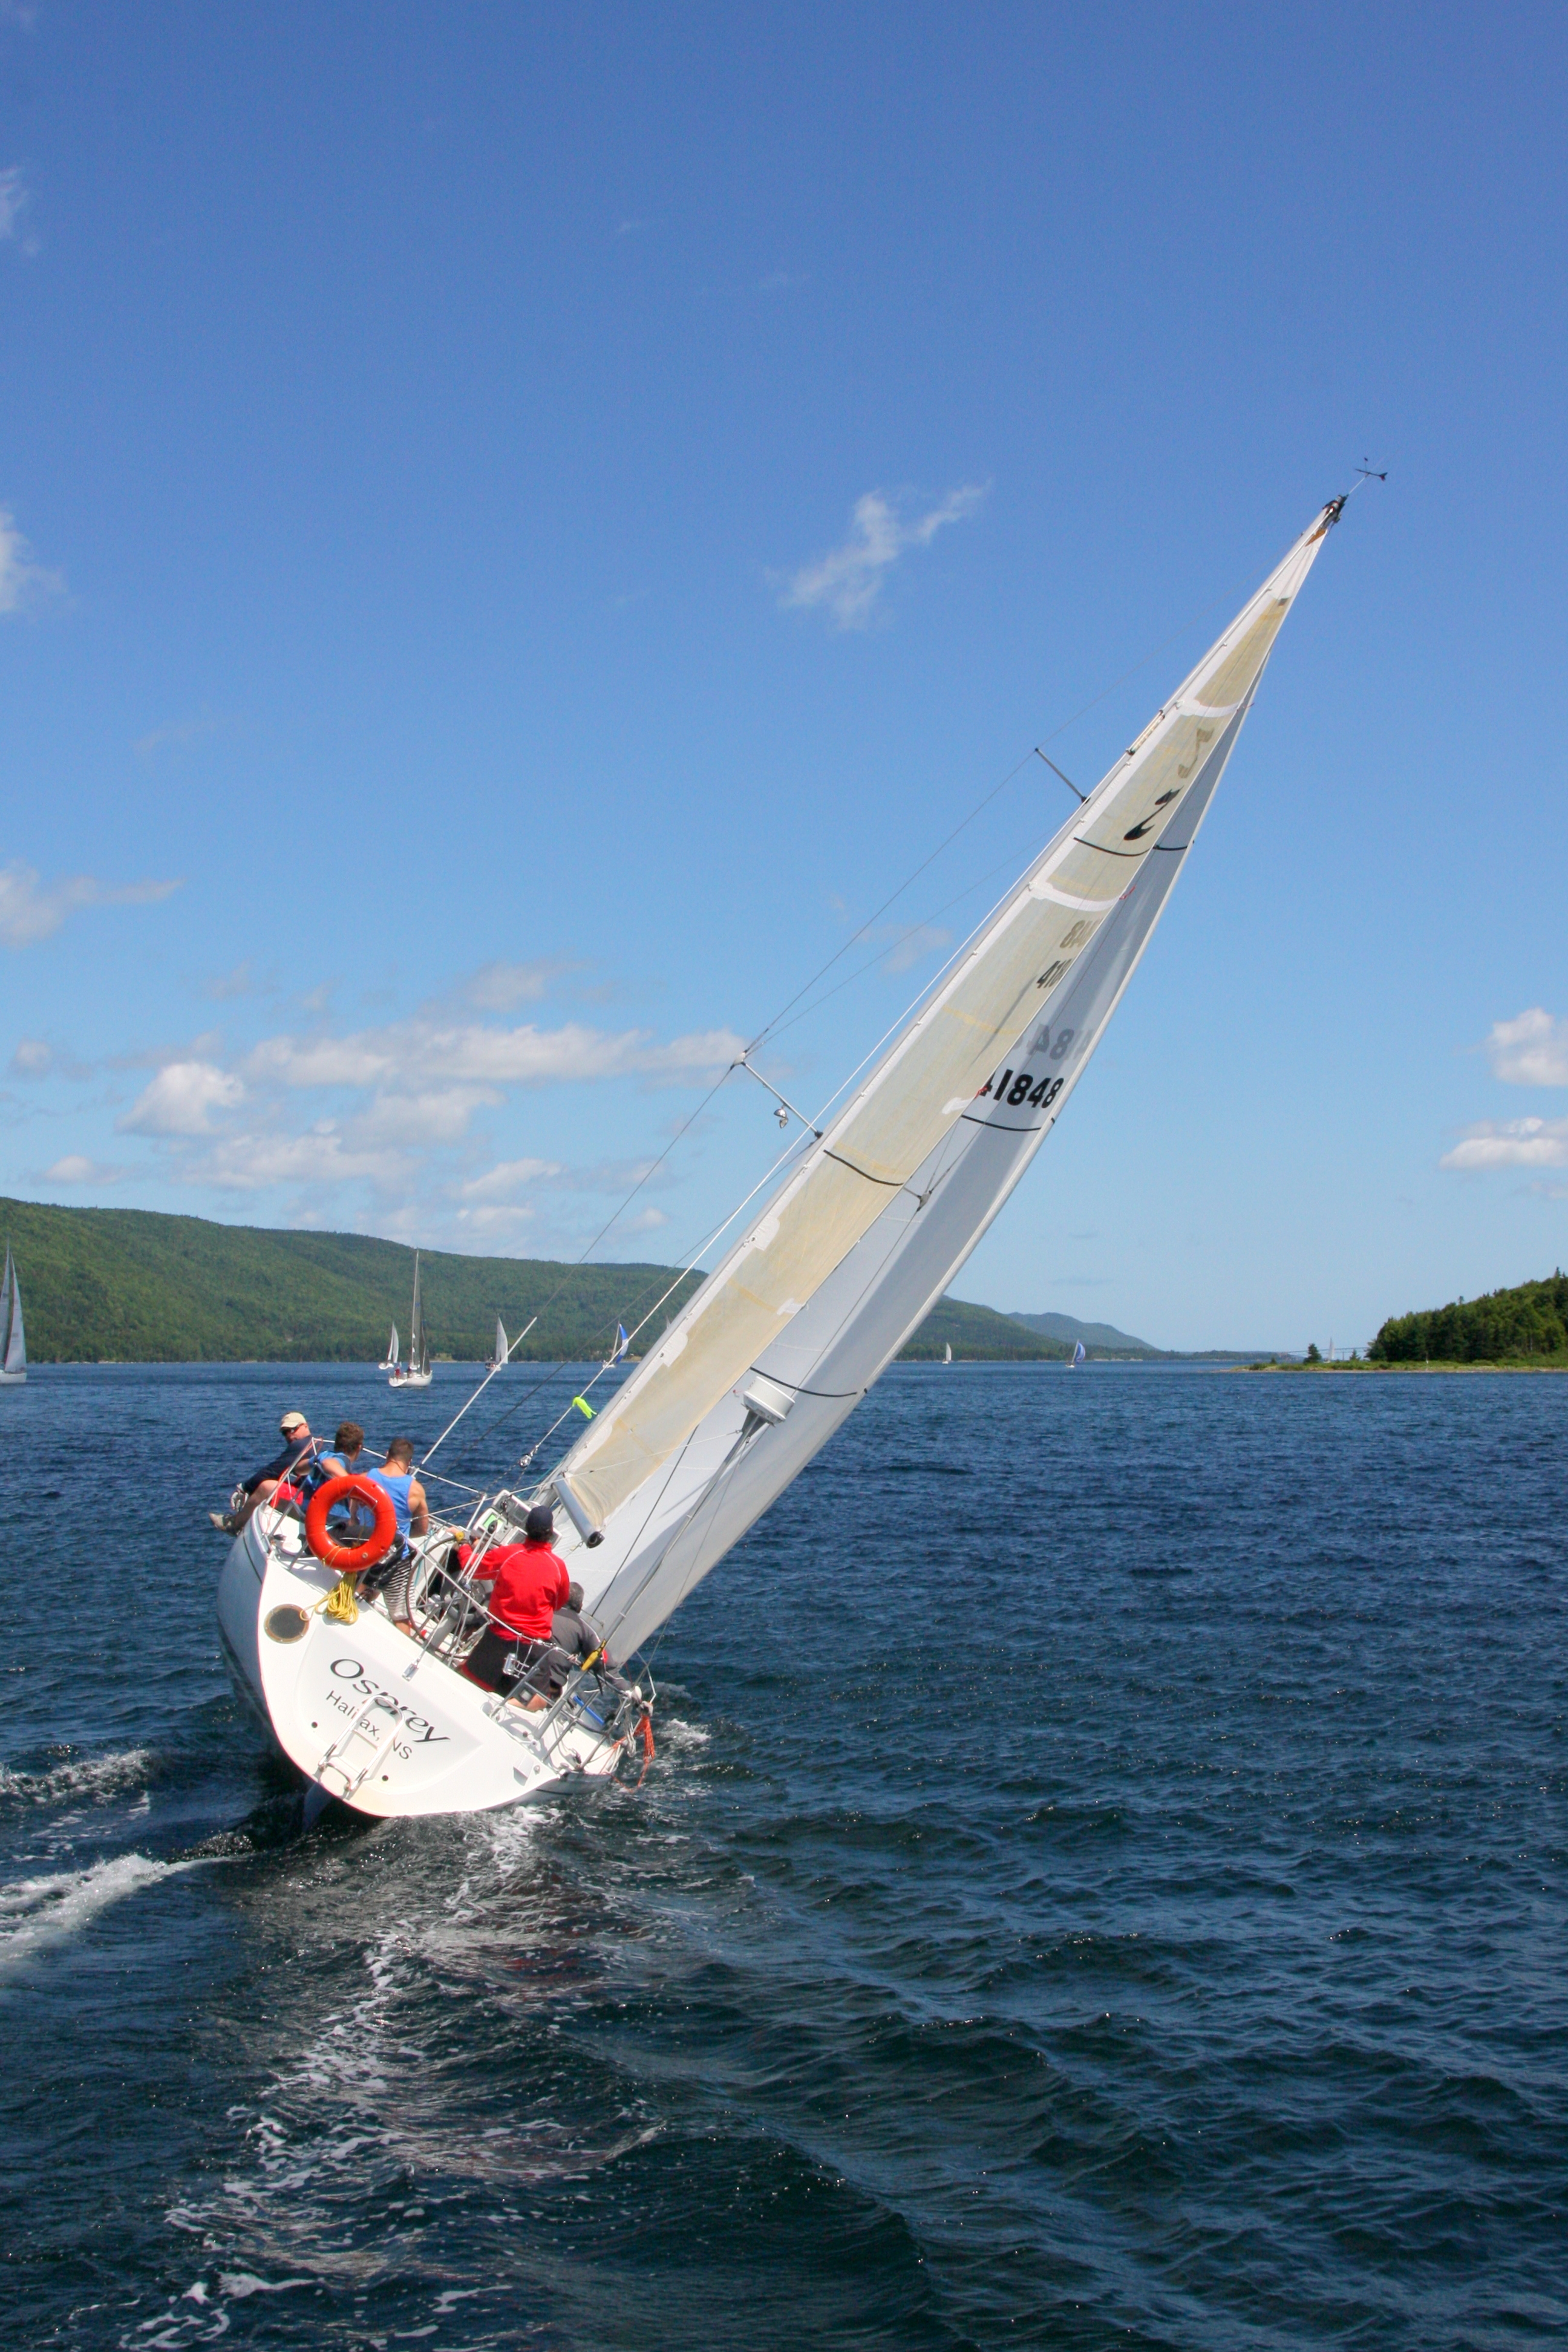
{"points": [[524, 526]]}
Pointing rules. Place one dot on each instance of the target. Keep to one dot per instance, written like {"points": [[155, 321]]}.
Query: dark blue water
{"points": [[1101, 1884]]}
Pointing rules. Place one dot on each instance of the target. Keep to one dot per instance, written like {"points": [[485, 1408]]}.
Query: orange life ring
{"points": [[376, 1545]]}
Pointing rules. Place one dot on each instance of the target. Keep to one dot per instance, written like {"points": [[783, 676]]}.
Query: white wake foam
{"points": [[84, 1777], [37, 1911]]}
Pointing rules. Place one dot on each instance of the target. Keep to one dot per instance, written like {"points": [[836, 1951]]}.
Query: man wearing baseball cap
{"points": [[260, 1484]]}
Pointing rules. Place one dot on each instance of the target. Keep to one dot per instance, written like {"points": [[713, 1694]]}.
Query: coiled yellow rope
{"points": [[341, 1603]]}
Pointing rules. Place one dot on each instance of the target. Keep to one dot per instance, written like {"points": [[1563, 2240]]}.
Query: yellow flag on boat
{"points": [[583, 1407]]}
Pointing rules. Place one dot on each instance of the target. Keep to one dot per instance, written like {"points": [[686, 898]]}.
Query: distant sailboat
{"points": [[617, 1353], [389, 1362], [416, 1373], [502, 1348], [947, 1353], [1078, 1356], [14, 1362]]}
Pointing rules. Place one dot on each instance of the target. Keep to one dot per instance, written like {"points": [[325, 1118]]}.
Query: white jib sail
{"points": [[501, 1349], [869, 1229], [392, 1347], [17, 1345]]}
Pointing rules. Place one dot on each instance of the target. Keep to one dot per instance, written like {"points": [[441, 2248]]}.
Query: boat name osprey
{"points": [[419, 1726]]}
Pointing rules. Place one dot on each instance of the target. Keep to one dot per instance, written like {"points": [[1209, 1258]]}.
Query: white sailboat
{"points": [[389, 1361], [13, 1336], [416, 1372], [503, 1351], [947, 1353], [863, 1235]]}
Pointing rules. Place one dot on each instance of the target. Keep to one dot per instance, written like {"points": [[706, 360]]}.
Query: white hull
{"points": [[12, 1379], [410, 1379], [365, 1712]]}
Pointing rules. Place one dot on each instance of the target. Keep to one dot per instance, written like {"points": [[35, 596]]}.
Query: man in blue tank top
{"points": [[396, 1475]]}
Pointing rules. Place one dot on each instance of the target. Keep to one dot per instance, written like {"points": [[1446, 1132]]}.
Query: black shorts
{"points": [[501, 1661]]}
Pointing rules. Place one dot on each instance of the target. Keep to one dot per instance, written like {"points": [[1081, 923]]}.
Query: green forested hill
{"points": [[132, 1285], [979, 1332], [1530, 1322], [136, 1286]]}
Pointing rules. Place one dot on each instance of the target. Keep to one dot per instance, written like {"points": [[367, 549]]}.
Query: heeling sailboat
{"points": [[753, 1375], [13, 1336], [501, 1351], [416, 1373]]}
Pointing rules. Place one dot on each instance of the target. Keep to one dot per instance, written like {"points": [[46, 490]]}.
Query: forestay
{"points": [[869, 1229]]}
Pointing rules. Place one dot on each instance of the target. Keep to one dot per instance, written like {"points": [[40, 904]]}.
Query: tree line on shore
{"points": [[1528, 1322]]}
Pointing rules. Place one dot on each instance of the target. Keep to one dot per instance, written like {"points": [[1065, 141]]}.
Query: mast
{"points": [[867, 1231]]}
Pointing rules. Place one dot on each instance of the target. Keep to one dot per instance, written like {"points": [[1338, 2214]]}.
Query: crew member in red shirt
{"points": [[531, 1584]]}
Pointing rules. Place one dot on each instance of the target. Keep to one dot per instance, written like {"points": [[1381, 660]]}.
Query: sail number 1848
{"points": [[1023, 1088], [1016, 1087]]}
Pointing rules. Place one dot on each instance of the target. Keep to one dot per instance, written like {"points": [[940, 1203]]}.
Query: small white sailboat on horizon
{"points": [[13, 1336], [389, 1361], [868, 1221], [416, 1372], [947, 1353], [501, 1353]]}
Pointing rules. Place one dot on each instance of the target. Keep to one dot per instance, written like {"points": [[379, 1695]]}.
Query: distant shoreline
{"points": [[1500, 1364]]}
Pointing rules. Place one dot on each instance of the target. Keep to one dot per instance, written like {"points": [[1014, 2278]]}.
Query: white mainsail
{"points": [[16, 1339], [502, 1350], [417, 1348], [868, 1231], [13, 1336], [392, 1347]]}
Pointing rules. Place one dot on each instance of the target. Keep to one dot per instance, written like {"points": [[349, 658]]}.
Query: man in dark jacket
{"points": [[261, 1484]]}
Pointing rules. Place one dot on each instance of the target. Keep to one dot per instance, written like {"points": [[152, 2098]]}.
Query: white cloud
{"points": [[491, 1213], [507, 1177], [75, 1170], [848, 579], [911, 942], [1511, 1143], [1532, 1051], [241, 981], [175, 734], [500, 987], [28, 912], [438, 1115], [182, 1099], [252, 1163], [21, 579], [16, 202], [415, 1051], [32, 1059]]}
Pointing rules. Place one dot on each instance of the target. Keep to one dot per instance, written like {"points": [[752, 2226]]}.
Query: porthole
{"points": [[288, 1624]]}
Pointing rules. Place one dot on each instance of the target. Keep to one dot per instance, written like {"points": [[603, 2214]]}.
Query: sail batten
{"points": [[974, 1039]]}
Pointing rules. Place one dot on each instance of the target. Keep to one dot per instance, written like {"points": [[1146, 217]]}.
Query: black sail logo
{"points": [[1163, 802]]}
